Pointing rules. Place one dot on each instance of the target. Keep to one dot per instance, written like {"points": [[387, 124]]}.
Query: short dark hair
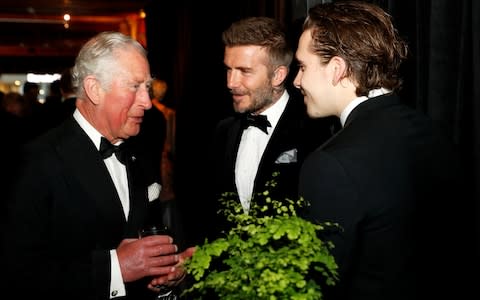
{"points": [[264, 32]]}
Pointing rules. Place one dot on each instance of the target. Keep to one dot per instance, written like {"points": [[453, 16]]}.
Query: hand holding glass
{"points": [[166, 293]]}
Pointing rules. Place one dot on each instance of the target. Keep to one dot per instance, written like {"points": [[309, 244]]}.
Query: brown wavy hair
{"points": [[364, 36]]}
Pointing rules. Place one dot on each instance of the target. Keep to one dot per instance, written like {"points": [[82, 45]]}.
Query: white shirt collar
{"points": [[355, 102], [274, 112], [92, 133]]}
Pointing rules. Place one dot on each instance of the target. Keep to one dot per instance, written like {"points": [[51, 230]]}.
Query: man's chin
{"points": [[240, 109], [133, 130]]}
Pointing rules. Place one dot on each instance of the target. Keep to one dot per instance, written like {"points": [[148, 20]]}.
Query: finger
{"points": [[187, 253], [177, 275], [161, 271], [153, 288], [157, 239], [163, 260], [161, 250], [171, 280], [160, 280]]}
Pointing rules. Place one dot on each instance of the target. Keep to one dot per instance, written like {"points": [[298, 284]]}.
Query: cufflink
{"points": [[114, 293]]}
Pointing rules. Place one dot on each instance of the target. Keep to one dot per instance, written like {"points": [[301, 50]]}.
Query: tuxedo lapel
{"points": [[233, 138], [138, 193], [284, 138], [88, 169]]}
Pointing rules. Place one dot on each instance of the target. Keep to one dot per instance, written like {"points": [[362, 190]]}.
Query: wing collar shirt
{"points": [[118, 172], [250, 151], [355, 102]]}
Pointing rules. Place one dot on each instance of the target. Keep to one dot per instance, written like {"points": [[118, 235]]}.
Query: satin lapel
{"points": [[285, 136], [137, 184], [83, 161], [233, 141]]}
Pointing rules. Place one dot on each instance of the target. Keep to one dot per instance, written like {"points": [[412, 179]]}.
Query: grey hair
{"points": [[98, 58]]}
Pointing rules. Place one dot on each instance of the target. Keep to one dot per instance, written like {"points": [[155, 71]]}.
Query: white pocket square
{"points": [[154, 191], [287, 157]]}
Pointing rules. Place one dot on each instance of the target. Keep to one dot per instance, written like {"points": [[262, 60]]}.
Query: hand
{"points": [[176, 276], [150, 256]]}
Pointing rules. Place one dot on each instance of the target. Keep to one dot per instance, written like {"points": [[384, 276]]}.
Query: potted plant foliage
{"points": [[272, 255]]}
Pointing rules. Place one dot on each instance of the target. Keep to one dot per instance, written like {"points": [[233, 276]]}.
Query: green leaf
{"points": [[270, 253]]}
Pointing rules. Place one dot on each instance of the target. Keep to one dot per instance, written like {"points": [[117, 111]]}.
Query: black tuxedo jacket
{"points": [[382, 178], [65, 215], [295, 131]]}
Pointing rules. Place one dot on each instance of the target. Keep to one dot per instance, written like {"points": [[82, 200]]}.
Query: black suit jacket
{"points": [[382, 178], [294, 131], [65, 215]]}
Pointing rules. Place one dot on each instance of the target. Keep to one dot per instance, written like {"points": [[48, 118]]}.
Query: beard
{"points": [[260, 99]]}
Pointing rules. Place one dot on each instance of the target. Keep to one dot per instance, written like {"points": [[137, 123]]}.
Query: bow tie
{"points": [[107, 149], [259, 121]]}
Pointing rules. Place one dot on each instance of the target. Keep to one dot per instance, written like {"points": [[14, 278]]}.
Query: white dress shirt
{"points": [[250, 151]]}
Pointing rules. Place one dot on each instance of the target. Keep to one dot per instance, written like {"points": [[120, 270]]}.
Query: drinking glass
{"points": [[165, 293]]}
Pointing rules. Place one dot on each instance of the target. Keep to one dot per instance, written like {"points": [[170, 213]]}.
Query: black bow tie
{"points": [[259, 121], [107, 149]]}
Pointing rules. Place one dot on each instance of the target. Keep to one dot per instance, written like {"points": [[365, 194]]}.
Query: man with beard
{"points": [[257, 58]]}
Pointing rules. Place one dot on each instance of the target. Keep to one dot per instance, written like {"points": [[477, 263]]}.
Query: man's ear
{"points": [[279, 75], [338, 69], [92, 89]]}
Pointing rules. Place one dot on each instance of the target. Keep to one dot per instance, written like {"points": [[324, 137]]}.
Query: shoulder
{"points": [[67, 131], [50, 149]]}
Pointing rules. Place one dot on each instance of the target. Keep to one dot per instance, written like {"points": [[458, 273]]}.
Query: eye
{"points": [[134, 87]]}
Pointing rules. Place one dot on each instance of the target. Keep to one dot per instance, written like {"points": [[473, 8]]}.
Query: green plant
{"points": [[270, 253]]}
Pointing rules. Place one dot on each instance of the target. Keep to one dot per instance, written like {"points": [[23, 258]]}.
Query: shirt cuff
{"points": [[117, 288]]}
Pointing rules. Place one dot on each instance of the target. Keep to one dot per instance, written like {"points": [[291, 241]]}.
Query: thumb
{"points": [[187, 253]]}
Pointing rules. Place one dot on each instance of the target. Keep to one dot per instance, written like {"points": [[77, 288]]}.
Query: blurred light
{"points": [[45, 78], [142, 14], [17, 82], [66, 18]]}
